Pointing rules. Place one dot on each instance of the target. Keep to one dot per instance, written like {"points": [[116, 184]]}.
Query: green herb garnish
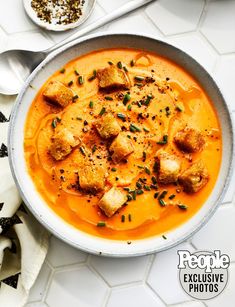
{"points": [[101, 224], [102, 111]]}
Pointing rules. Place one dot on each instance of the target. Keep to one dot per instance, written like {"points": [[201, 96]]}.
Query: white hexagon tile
{"points": [[205, 30]]}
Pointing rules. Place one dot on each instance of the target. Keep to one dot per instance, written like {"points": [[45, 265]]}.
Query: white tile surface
{"points": [[219, 25], [13, 17], [175, 16], [225, 74], [195, 46], [135, 296], [215, 236], [134, 23], [76, 288], [39, 288], [164, 276], [227, 297], [120, 271], [60, 254]]}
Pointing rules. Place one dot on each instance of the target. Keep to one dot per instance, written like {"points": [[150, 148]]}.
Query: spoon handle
{"points": [[126, 8]]}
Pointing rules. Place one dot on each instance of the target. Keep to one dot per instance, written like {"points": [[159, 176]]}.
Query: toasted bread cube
{"points": [[195, 177], [107, 126], [58, 93], [121, 147], [112, 200], [168, 167], [112, 77], [62, 144], [189, 140], [92, 177]]}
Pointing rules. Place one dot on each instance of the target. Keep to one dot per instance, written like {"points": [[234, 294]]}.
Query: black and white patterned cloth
{"points": [[23, 241]]}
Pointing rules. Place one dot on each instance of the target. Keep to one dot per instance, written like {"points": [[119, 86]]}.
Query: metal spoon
{"points": [[16, 65]]}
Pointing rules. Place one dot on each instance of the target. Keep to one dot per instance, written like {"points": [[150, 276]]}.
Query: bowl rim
{"points": [[117, 253]]}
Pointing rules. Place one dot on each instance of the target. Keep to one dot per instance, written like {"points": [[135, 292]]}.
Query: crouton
{"points": [[112, 77], [92, 177], [58, 93], [195, 177], [107, 126], [62, 144], [121, 147], [112, 200], [189, 140], [168, 167]]}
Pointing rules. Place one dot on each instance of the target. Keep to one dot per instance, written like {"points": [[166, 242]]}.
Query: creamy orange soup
{"points": [[162, 99]]}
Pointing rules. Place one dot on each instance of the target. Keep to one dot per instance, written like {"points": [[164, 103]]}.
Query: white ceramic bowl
{"points": [[39, 207]]}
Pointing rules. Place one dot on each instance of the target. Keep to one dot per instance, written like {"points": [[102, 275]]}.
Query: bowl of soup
{"points": [[121, 145]]}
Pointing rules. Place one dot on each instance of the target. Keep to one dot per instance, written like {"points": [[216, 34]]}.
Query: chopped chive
{"points": [[147, 187], [129, 197], [108, 98], [94, 148], [156, 195], [101, 224], [103, 110], [164, 140], [75, 97], [129, 107], [164, 237], [54, 123], [154, 180], [147, 170], [140, 166], [148, 99], [113, 169], [134, 195], [161, 202], [80, 80], [62, 71], [82, 150], [119, 65], [134, 128], [144, 156], [172, 196], [138, 185], [76, 72], [121, 116], [139, 104], [126, 98], [125, 69], [145, 130], [129, 217], [163, 194], [132, 63], [93, 76], [139, 78], [154, 186], [70, 83], [126, 189], [110, 63], [138, 84], [123, 218], [91, 104], [79, 118], [139, 192], [183, 207]]}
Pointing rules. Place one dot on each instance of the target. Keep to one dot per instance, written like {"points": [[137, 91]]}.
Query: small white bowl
{"points": [[86, 11], [37, 204]]}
